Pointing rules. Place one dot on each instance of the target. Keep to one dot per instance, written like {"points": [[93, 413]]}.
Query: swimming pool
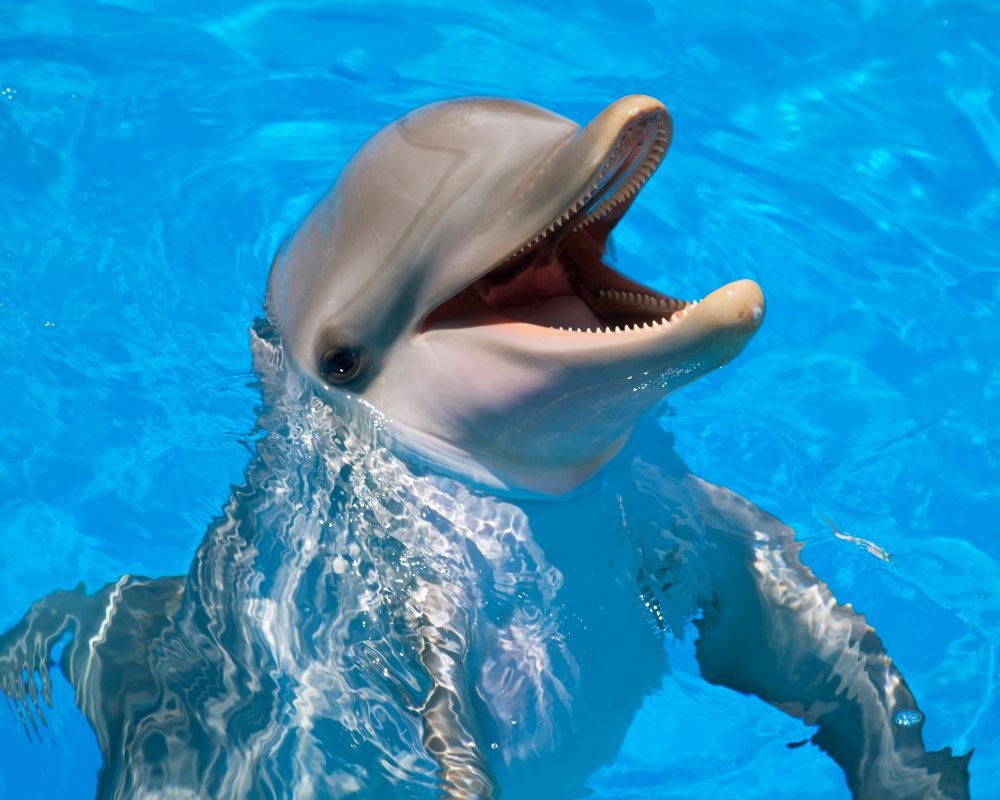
{"points": [[153, 155]]}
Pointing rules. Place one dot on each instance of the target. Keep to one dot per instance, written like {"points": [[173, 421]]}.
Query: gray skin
{"points": [[446, 306]]}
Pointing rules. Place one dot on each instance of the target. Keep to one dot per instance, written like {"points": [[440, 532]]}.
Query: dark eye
{"points": [[339, 364]]}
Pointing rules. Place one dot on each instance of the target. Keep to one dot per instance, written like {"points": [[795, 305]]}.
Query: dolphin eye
{"points": [[339, 364]]}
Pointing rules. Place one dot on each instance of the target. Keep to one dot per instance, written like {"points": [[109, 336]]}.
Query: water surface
{"points": [[846, 157]]}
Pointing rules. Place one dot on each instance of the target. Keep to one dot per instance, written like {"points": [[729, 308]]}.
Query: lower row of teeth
{"points": [[676, 311]]}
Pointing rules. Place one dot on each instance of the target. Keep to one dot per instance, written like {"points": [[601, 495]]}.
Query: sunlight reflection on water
{"points": [[153, 155]]}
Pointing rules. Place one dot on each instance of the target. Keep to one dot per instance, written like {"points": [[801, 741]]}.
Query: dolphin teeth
{"points": [[638, 175]]}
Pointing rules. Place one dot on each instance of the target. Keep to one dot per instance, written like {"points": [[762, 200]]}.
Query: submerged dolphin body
{"points": [[398, 602]]}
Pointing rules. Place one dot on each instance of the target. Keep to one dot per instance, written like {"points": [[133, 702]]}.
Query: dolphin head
{"points": [[454, 278]]}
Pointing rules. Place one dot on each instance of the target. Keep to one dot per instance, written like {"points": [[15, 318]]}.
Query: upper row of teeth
{"points": [[632, 185], [640, 299]]}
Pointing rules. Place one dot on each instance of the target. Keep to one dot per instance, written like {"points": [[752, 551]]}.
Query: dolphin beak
{"points": [[555, 288]]}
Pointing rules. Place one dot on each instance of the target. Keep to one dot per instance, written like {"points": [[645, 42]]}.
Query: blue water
{"points": [[845, 156]]}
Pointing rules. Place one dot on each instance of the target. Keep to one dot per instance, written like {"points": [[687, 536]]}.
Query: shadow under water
{"points": [[354, 625]]}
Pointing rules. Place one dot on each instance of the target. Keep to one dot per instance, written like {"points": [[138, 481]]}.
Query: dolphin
{"points": [[461, 539]]}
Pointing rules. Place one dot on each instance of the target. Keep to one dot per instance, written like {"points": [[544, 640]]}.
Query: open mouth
{"points": [[559, 279]]}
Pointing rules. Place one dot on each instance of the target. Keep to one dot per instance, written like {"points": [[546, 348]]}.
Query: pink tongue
{"points": [[565, 311]]}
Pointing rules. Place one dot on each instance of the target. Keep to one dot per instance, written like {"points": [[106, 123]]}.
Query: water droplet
{"points": [[48, 324], [8, 93], [908, 717]]}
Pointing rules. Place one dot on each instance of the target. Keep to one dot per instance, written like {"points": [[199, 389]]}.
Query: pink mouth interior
{"points": [[560, 283]]}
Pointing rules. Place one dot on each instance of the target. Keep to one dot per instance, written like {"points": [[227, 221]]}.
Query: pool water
{"points": [[845, 156]]}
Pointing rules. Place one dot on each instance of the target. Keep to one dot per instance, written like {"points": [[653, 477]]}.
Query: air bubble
{"points": [[908, 718]]}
